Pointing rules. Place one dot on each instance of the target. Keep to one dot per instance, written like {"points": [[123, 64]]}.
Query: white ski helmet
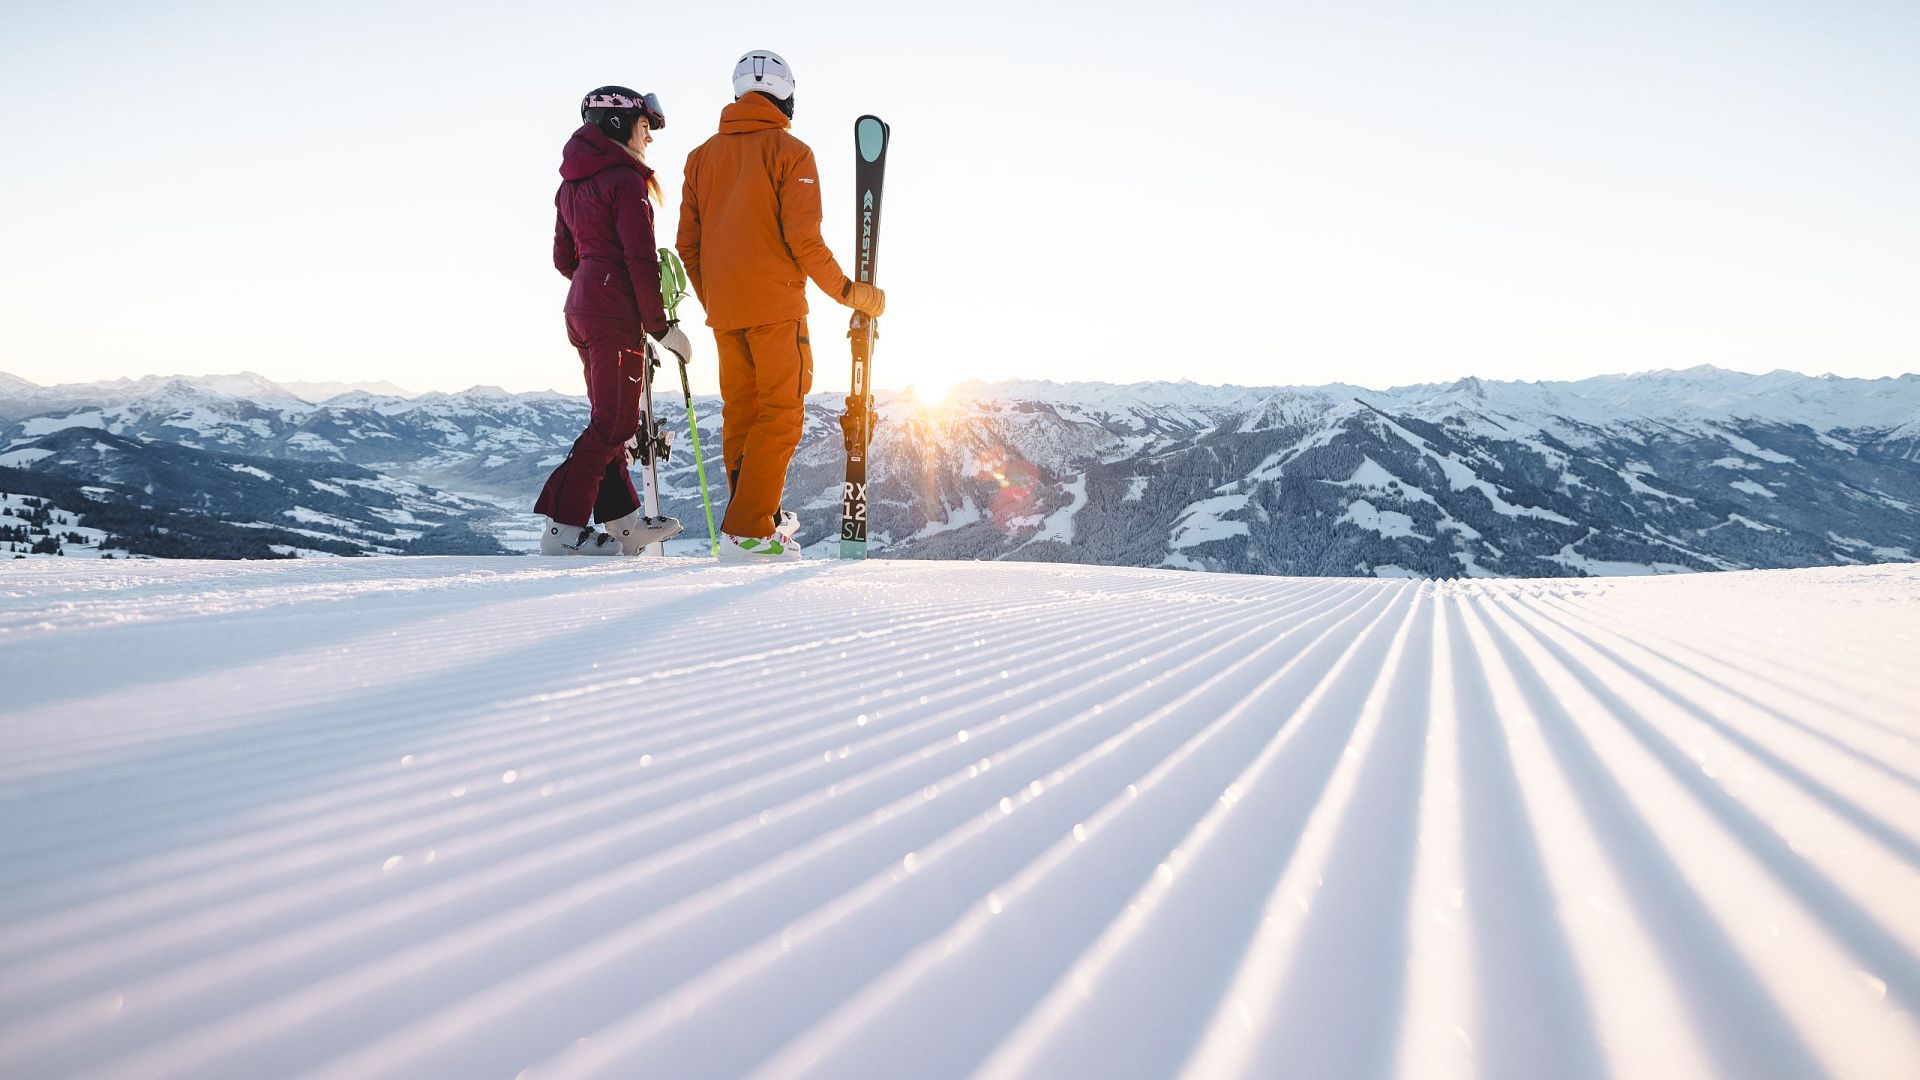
{"points": [[763, 70]]}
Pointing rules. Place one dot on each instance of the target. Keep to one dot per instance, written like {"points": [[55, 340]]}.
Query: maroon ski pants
{"points": [[593, 483]]}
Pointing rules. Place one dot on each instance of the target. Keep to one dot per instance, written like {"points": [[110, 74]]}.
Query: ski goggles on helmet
{"points": [[648, 106]]}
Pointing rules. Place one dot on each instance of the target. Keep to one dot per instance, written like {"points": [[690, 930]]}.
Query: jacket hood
{"points": [[751, 113], [589, 151]]}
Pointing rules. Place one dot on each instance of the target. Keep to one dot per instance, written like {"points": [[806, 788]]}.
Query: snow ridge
{"points": [[388, 818]]}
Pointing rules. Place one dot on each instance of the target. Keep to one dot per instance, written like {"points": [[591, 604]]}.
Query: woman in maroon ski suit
{"points": [[603, 242]]}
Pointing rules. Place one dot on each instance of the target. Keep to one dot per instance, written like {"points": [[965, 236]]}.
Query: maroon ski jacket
{"points": [[603, 235]]}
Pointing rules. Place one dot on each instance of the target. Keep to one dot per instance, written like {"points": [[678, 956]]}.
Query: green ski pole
{"points": [[673, 289], [699, 463]]}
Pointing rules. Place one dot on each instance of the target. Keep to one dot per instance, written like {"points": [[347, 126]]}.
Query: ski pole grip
{"points": [[673, 283]]}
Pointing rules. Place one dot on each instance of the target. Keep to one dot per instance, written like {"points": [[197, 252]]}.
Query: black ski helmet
{"points": [[614, 109]]}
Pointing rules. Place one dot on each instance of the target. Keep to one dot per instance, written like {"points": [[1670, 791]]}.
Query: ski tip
{"points": [[871, 133]]}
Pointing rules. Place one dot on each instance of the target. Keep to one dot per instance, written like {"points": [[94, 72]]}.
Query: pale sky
{"points": [[1256, 193]]}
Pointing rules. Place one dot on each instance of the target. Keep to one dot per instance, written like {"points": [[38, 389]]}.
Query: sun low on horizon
{"points": [[930, 396]]}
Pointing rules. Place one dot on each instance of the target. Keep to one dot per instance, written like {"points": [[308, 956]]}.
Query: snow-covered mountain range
{"points": [[1658, 471]]}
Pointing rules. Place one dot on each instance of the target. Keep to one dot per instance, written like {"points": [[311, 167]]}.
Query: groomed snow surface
{"points": [[474, 817]]}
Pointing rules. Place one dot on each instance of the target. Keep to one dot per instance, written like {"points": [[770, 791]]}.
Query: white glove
{"points": [[675, 341]]}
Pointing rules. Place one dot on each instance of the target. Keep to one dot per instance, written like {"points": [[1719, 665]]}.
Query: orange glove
{"points": [[868, 300]]}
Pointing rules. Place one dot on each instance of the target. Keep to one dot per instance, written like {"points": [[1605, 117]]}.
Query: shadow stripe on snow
{"points": [[721, 975], [317, 990]]}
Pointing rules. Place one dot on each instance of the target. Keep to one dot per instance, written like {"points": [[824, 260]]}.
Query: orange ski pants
{"points": [[765, 373]]}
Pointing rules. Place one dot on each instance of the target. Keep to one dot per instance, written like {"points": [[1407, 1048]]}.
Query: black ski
{"points": [[856, 426]]}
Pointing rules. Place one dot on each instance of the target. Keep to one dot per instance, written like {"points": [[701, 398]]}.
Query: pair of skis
{"points": [[856, 425]]}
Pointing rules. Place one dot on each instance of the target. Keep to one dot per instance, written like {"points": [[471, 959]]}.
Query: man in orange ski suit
{"points": [[750, 239]]}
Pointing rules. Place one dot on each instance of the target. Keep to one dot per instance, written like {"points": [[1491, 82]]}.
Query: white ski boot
{"points": [[636, 531], [559, 539], [786, 527], [757, 549]]}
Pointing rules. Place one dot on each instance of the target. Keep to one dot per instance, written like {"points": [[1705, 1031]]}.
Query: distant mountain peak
{"points": [[322, 392]]}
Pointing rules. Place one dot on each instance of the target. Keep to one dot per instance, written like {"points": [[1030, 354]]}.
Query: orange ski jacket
{"points": [[750, 221]]}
